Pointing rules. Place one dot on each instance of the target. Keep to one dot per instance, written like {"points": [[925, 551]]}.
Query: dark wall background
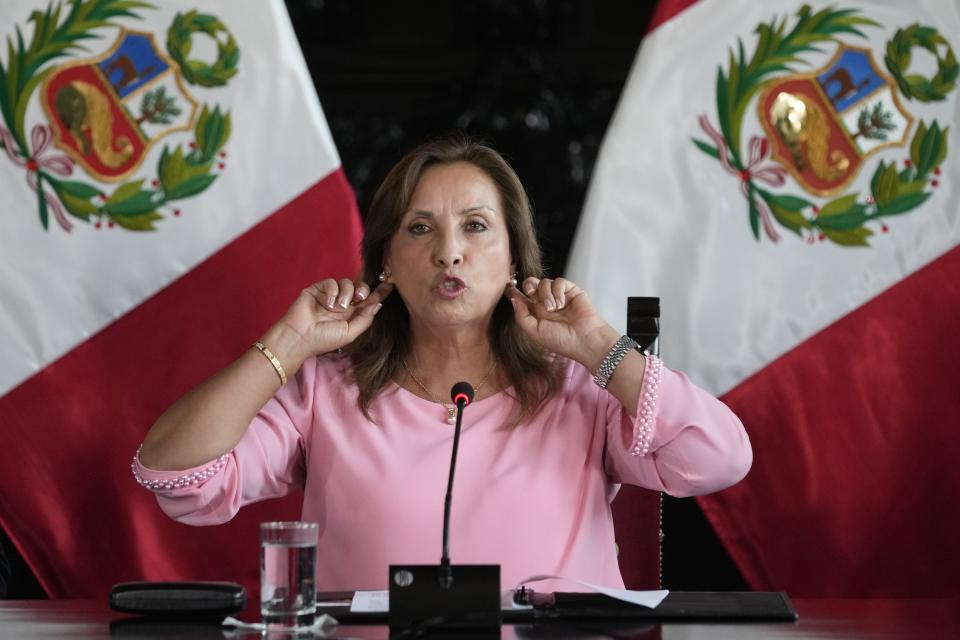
{"points": [[539, 80]]}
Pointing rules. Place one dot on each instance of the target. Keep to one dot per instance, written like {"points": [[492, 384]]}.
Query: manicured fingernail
{"points": [[331, 301], [362, 295], [378, 307], [344, 302], [549, 305]]}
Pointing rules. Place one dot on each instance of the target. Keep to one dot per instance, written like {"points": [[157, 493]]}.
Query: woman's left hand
{"points": [[558, 316]]}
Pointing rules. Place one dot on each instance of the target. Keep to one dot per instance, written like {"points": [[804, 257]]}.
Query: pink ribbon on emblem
{"points": [[773, 175], [61, 165]]}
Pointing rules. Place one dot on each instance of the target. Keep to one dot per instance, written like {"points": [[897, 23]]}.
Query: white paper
{"points": [[334, 603], [648, 599], [379, 601], [370, 602]]}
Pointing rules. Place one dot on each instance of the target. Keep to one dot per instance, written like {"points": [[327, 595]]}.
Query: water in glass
{"points": [[287, 578]]}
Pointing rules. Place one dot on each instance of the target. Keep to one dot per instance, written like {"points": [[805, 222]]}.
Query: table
{"points": [[833, 618]]}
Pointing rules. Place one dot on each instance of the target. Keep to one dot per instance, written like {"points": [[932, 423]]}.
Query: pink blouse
{"points": [[534, 499]]}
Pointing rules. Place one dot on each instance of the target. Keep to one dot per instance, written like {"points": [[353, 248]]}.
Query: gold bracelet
{"points": [[273, 360]]}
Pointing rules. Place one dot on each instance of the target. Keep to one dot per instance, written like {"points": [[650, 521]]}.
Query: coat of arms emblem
{"points": [[106, 112], [92, 105], [823, 127]]}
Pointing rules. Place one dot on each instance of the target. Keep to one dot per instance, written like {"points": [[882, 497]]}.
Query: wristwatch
{"points": [[610, 363]]}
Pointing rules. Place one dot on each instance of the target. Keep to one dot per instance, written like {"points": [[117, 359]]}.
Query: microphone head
{"points": [[461, 392]]}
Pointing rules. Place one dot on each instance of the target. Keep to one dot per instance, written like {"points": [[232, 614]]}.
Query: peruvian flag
{"points": [[169, 185], [784, 176]]}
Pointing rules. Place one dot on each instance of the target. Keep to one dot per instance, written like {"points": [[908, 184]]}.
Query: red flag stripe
{"points": [[667, 9], [78, 518], [831, 506]]}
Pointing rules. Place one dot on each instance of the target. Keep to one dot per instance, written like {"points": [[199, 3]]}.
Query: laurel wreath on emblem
{"points": [[131, 205], [914, 85], [195, 71], [845, 219]]}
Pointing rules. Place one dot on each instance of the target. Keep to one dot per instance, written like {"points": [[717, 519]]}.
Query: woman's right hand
{"points": [[212, 418], [326, 316]]}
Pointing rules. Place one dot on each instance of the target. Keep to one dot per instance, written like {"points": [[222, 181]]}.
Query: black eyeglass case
{"points": [[178, 599]]}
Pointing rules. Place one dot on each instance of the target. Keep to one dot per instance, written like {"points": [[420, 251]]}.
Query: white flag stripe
{"points": [[59, 288], [663, 218]]}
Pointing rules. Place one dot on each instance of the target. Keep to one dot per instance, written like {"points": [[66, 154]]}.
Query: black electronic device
{"points": [[445, 595], [678, 605], [178, 599]]}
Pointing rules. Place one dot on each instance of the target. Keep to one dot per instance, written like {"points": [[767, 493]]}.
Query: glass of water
{"points": [[288, 589]]}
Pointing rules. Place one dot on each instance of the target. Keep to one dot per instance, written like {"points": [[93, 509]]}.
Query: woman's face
{"points": [[450, 257]]}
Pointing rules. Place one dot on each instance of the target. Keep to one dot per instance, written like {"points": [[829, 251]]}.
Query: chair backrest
{"points": [[638, 526], [637, 512]]}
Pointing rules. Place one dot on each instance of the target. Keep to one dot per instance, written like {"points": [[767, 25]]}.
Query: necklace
{"points": [[451, 408]]}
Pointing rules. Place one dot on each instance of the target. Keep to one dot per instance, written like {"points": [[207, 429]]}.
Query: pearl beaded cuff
{"points": [[649, 394], [177, 482]]}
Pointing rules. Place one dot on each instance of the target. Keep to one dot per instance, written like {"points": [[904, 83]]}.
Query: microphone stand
{"points": [[425, 596], [446, 572]]}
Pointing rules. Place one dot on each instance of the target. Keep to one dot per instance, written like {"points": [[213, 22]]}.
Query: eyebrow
{"points": [[467, 211]]}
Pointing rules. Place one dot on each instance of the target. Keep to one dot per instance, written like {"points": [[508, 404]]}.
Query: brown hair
{"points": [[377, 354]]}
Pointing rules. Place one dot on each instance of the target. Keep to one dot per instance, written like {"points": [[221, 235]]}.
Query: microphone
{"points": [[462, 395], [425, 595]]}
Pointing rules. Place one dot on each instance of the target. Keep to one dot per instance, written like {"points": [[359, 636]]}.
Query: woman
{"points": [[564, 409]]}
